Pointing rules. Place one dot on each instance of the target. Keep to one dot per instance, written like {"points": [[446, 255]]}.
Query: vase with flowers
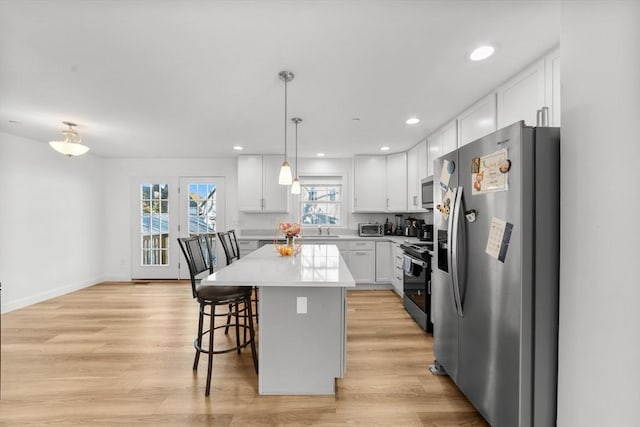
{"points": [[291, 231]]}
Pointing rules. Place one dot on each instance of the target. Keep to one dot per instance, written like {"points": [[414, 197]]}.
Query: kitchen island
{"points": [[302, 323]]}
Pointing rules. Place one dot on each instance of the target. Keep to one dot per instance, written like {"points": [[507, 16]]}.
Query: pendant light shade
{"points": [[285, 174], [71, 146], [295, 186], [285, 177]]}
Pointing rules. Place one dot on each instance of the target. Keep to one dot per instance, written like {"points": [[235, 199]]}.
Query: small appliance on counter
{"points": [[388, 227], [426, 233], [370, 230], [399, 230], [412, 226]]}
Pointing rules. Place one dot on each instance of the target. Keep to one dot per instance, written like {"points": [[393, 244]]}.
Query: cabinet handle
{"points": [[355, 202], [398, 257], [360, 253], [387, 203], [261, 203], [415, 200]]}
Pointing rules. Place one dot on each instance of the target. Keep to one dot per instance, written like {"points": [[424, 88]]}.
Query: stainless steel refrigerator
{"points": [[496, 272]]}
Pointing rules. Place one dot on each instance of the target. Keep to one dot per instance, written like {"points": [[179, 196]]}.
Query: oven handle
{"points": [[417, 261]]}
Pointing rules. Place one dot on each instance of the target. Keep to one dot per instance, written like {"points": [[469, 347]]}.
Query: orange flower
{"points": [[290, 229]]}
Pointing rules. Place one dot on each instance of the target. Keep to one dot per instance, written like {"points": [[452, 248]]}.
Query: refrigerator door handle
{"points": [[455, 227], [451, 251]]}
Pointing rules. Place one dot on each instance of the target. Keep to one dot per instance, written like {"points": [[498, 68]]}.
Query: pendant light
{"points": [[71, 146], [295, 186], [285, 170]]}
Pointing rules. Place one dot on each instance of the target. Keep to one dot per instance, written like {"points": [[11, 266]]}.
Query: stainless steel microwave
{"points": [[370, 230], [427, 192]]}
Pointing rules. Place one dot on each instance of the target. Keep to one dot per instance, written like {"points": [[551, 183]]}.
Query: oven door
{"points": [[416, 281]]}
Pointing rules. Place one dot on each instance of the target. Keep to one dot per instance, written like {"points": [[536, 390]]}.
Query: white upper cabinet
{"points": [[369, 183], [416, 171], [258, 188], [397, 182], [440, 143], [536, 87], [521, 97], [380, 183], [477, 121]]}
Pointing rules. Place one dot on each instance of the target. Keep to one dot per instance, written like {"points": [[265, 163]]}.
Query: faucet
{"points": [[319, 231], [327, 231]]}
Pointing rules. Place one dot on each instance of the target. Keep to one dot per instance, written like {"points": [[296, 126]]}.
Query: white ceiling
{"points": [[193, 78]]}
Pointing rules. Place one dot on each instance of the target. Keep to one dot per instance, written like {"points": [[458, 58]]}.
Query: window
{"points": [[202, 208], [321, 201], [154, 224]]}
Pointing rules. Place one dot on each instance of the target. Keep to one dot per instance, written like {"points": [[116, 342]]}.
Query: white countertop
{"points": [[342, 237], [314, 266]]}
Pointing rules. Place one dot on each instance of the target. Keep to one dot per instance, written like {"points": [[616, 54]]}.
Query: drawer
{"points": [[247, 245], [398, 261], [356, 245], [342, 245]]}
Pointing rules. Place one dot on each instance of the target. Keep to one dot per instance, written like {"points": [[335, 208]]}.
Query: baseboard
{"points": [[371, 286], [44, 296]]}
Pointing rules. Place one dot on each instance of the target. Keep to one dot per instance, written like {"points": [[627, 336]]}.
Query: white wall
{"points": [[117, 190], [599, 369], [51, 222]]}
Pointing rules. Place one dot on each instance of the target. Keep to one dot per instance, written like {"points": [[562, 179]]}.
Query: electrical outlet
{"points": [[301, 305]]}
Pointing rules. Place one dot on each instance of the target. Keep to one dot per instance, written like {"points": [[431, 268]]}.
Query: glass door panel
{"points": [[155, 222], [202, 211]]}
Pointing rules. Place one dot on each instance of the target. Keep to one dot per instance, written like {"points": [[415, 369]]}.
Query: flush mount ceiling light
{"points": [[285, 170], [71, 146], [385, 148], [295, 186], [483, 52], [320, 154], [412, 121], [238, 147]]}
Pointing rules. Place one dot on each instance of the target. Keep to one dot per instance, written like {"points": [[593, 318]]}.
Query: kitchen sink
{"points": [[317, 237]]}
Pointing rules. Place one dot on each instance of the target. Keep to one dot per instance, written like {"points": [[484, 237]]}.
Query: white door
{"points": [[165, 208], [202, 211], [154, 224]]}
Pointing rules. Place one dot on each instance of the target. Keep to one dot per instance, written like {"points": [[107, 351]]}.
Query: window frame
{"points": [[330, 180]]}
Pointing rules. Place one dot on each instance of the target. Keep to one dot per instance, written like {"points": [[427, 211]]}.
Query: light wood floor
{"points": [[121, 353]]}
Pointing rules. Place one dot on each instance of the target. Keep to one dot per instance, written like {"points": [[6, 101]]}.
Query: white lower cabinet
{"points": [[397, 280], [384, 262], [247, 246], [358, 255], [361, 261], [361, 265]]}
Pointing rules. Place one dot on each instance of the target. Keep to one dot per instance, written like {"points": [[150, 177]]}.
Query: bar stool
{"points": [[194, 249], [232, 253]]}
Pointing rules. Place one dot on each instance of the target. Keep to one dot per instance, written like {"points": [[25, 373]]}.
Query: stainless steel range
{"points": [[417, 282]]}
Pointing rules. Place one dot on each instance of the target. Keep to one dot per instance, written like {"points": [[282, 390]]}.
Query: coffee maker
{"points": [[426, 233]]}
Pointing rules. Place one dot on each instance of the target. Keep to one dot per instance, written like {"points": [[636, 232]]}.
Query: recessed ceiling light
{"points": [[483, 52], [238, 147], [385, 148], [413, 121], [320, 154]]}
